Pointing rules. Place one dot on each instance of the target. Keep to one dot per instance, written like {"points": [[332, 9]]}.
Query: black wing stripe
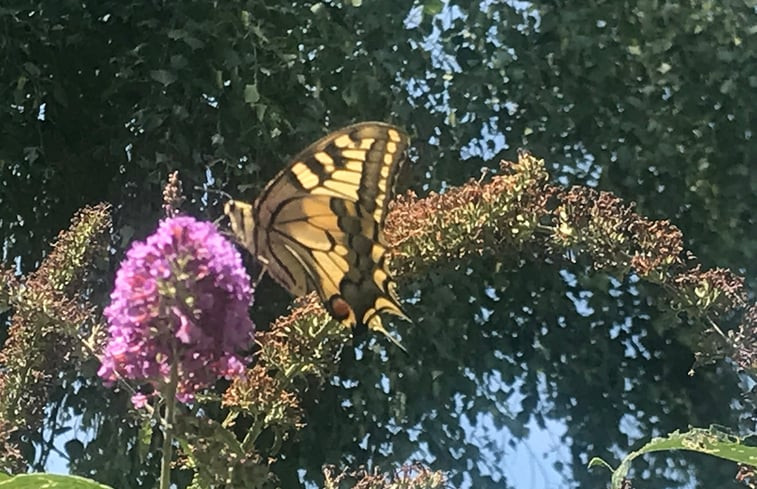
{"points": [[369, 183], [308, 264], [281, 265]]}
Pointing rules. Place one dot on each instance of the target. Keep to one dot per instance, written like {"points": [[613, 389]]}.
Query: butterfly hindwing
{"points": [[282, 265], [318, 225]]}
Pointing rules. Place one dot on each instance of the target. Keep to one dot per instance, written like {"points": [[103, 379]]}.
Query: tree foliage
{"points": [[648, 100]]}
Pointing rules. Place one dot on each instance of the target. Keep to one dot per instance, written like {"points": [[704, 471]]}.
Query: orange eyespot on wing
{"points": [[340, 309]]}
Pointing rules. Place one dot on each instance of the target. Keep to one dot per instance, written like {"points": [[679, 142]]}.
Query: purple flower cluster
{"points": [[181, 296]]}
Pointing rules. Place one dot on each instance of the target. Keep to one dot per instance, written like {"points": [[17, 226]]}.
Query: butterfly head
{"points": [[242, 222]]}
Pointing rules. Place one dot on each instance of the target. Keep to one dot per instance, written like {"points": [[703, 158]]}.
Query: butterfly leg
{"points": [[263, 270], [260, 276]]}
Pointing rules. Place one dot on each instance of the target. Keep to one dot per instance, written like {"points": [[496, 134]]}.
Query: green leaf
{"points": [[32, 69], [710, 441], [176, 34], [317, 8], [251, 94], [260, 110], [126, 233], [74, 448], [598, 462], [60, 95], [164, 77], [144, 439], [432, 7], [259, 33], [50, 481], [178, 61], [193, 43], [727, 86], [246, 18]]}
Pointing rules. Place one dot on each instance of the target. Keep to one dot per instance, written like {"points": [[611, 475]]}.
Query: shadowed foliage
{"points": [[545, 306]]}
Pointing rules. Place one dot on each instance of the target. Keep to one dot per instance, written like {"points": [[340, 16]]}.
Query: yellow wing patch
{"points": [[318, 225]]}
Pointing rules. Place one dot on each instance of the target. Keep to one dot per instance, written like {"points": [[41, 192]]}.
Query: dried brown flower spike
{"points": [[173, 196]]}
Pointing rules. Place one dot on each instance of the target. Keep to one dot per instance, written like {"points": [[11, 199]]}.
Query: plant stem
{"points": [[170, 400]]}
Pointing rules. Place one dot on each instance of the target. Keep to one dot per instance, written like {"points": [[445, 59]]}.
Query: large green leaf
{"points": [[50, 481], [712, 441]]}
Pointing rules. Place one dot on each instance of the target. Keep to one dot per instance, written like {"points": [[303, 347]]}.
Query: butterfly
{"points": [[318, 225]]}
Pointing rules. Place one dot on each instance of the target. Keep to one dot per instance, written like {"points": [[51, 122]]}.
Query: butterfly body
{"points": [[318, 225]]}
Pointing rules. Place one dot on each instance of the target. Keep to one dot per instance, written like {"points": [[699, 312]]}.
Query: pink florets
{"points": [[182, 295]]}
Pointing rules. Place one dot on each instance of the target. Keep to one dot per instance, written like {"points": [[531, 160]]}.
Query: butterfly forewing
{"points": [[359, 164], [318, 225]]}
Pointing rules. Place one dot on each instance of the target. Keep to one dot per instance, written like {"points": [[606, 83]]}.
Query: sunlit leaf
{"points": [[710, 441], [50, 481], [432, 7]]}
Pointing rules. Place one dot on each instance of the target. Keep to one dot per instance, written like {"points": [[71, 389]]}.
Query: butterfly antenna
{"points": [[214, 191]]}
